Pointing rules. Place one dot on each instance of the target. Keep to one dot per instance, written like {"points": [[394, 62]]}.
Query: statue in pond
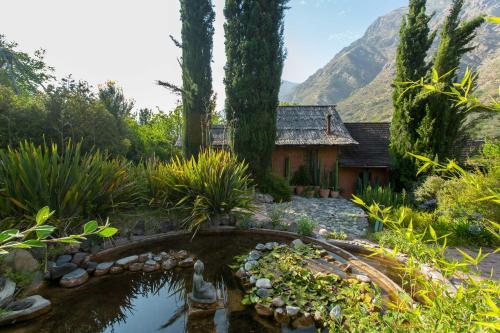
{"points": [[203, 292]]}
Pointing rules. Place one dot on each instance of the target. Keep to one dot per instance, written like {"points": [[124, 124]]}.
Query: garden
{"points": [[113, 220]]}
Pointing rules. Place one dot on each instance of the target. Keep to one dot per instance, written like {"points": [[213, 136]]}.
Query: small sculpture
{"points": [[203, 292]]}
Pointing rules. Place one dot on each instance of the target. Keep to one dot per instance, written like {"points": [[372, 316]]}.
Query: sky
{"points": [[127, 40]]}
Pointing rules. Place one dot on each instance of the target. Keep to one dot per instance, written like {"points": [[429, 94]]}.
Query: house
{"points": [[342, 155]]}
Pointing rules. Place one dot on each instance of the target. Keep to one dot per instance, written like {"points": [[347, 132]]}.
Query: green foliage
{"points": [[277, 215], [429, 189], [340, 235], [201, 189], [255, 56], [383, 195], [22, 279], [40, 234], [305, 226], [301, 177], [276, 186], [76, 184]]}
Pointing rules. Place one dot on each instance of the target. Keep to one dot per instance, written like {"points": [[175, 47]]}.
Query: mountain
{"points": [[286, 88], [358, 79]]}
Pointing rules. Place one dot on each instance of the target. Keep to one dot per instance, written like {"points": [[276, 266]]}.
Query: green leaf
{"points": [[90, 227], [433, 233], [107, 232], [43, 215], [44, 231], [9, 233], [34, 243], [493, 19]]}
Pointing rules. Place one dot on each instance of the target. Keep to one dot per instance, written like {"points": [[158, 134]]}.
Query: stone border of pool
{"points": [[393, 289]]}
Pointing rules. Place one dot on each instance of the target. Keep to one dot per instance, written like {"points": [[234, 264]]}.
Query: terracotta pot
{"points": [[335, 194], [299, 189], [324, 192]]}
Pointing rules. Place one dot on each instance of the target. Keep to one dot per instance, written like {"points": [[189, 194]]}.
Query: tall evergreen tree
{"points": [[443, 119], [415, 41], [197, 18], [255, 56]]}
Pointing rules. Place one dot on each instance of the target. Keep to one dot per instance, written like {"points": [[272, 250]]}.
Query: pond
{"points": [[134, 302]]}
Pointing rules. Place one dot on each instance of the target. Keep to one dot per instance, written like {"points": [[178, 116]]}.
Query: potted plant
{"points": [[309, 192], [335, 193], [324, 191], [300, 179]]}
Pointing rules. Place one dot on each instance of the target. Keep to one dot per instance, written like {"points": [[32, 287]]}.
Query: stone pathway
{"points": [[331, 214]]}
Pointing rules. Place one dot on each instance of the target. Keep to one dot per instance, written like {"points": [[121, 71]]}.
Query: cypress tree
{"points": [[255, 56], [443, 118], [197, 102], [415, 41]]}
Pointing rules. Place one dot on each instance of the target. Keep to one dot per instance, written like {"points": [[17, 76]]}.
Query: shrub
{"points": [[277, 215], [383, 196], [75, 185], [277, 187], [201, 189], [468, 232], [340, 235], [305, 226], [301, 177], [428, 190]]}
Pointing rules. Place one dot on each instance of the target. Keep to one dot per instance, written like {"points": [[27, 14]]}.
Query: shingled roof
{"points": [[301, 126], [373, 148]]}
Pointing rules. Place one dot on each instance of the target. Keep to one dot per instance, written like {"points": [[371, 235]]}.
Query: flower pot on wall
{"points": [[324, 192]]}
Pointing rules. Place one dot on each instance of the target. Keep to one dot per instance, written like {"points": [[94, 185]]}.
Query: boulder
{"points": [[260, 247], [180, 255], [103, 268], [250, 264], [188, 262], [145, 257], [263, 292], [297, 244], [124, 262], [157, 258], [56, 272], [169, 264], [323, 232], [72, 248], [363, 278], [278, 302], [164, 255], [254, 255], [150, 266], [263, 310], [136, 266], [270, 246], [292, 311], [63, 259], [75, 278], [90, 266], [116, 270], [21, 261], [26, 309], [253, 279], [7, 289], [263, 283], [78, 258]]}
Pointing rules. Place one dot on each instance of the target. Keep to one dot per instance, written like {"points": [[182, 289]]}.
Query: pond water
{"points": [[156, 302]]}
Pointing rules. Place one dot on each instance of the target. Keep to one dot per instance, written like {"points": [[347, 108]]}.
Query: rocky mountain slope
{"points": [[358, 79]]}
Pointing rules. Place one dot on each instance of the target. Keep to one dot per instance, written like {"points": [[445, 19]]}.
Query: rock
{"points": [[263, 292], [7, 289], [63, 259], [240, 273], [37, 306], [124, 262], [164, 255], [139, 228], [323, 232], [281, 316], [254, 255], [180, 255], [263, 198], [252, 279], [157, 258], [188, 262], [90, 267], [336, 313], [150, 266], [270, 246], [318, 319], [136, 266], [293, 227], [169, 264], [145, 257], [103, 268], [297, 244], [72, 248], [78, 258], [278, 302], [263, 310], [21, 261], [263, 283], [56, 272], [75, 278], [292, 311], [260, 247], [116, 270], [363, 278], [304, 321], [250, 264]]}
